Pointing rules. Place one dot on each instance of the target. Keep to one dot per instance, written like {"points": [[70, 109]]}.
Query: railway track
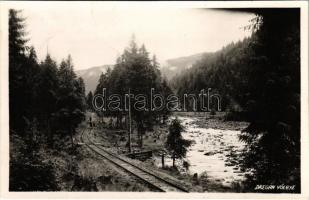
{"points": [[146, 176]]}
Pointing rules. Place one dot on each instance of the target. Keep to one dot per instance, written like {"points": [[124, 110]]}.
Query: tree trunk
{"points": [[117, 121], [174, 160], [71, 135], [125, 122], [72, 142], [49, 133], [141, 132]]}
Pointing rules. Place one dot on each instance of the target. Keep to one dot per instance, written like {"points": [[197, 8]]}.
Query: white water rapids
{"points": [[214, 151]]}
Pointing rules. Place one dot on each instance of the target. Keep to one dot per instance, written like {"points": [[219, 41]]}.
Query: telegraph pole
{"points": [[130, 124]]}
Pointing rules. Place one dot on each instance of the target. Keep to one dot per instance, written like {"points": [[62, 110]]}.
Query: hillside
{"points": [[91, 76], [175, 66]]}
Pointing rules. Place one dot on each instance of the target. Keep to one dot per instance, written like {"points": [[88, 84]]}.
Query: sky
{"points": [[95, 33]]}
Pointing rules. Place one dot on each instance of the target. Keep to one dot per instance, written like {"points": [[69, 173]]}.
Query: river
{"points": [[215, 152]]}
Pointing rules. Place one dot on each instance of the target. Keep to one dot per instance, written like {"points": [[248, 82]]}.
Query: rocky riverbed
{"points": [[214, 152]]}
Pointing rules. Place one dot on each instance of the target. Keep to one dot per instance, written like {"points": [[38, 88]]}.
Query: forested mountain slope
{"points": [[175, 66]]}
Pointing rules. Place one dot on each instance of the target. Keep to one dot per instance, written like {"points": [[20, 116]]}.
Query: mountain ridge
{"points": [[91, 76], [171, 68], [175, 66]]}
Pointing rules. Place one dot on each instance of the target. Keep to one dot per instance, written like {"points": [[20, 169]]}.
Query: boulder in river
{"points": [[195, 177], [211, 153]]}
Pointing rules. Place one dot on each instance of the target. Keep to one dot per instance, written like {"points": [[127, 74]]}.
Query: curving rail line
{"points": [[147, 176]]}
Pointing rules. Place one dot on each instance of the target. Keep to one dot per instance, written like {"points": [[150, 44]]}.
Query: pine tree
{"points": [[17, 40], [71, 104], [175, 144], [273, 100], [165, 91], [89, 100], [20, 84], [48, 86]]}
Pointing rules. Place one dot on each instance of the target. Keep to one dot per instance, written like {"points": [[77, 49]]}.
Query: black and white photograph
{"points": [[154, 97]]}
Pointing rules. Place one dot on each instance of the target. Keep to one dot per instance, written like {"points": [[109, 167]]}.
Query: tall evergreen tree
{"points": [[175, 143], [89, 99], [18, 68], [71, 103], [273, 99], [48, 86]]}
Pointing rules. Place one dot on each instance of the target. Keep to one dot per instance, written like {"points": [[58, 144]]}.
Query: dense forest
{"points": [[46, 102], [258, 79]]}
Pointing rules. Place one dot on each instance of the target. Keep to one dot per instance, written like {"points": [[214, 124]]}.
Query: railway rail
{"points": [[146, 176]]}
